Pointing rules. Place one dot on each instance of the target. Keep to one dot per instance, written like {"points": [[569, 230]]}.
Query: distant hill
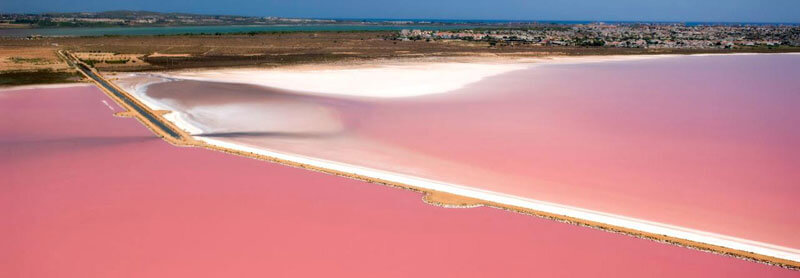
{"points": [[127, 14]]}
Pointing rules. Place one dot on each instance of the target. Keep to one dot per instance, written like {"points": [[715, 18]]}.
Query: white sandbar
{"points": [[381, 81]]}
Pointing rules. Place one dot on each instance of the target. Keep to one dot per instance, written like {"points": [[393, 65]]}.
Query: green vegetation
{"points": [[124, 61], [20, 60], [91, 62], [51, 24], [590, 42], [37, 77]]}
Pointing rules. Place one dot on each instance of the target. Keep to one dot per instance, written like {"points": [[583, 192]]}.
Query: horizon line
{"points": [[498, 20]]}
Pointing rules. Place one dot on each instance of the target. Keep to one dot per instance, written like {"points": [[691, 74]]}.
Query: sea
{"points": [[196, 30]]}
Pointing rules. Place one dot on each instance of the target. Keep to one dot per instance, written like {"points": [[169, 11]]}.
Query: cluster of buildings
{"points": [[625, 35]]}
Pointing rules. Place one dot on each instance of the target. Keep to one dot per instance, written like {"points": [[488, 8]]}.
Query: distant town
{"points": [[140, 18], [624, 35]]}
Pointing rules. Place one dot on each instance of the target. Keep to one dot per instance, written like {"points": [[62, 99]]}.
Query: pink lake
{"points": [[87, 194], [705, 142]]}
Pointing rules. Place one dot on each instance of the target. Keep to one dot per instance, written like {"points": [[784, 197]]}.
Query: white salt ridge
{"points": [[43, 86], [387, 81]]}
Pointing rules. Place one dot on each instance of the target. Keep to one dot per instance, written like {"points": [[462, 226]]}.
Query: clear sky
{"points": [[636, 10]]}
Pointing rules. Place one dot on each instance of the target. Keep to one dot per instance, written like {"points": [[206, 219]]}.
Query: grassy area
{"points": [[52, 24], [28, 60], [92, 62], [15, 78], [237, 60]]}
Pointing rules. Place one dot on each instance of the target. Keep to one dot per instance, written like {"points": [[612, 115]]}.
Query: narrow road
{"points": [[145, 112]]}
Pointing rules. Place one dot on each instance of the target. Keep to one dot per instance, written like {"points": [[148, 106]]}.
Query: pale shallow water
{"points": [[704, 142]]}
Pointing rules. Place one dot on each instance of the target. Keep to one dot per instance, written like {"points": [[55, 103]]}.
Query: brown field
{"points": [[33, 58], [276, 49], [6, 25], [35, 64], [113, 61]]}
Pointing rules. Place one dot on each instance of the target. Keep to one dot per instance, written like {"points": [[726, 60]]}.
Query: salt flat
{"points": [[595, 140]]}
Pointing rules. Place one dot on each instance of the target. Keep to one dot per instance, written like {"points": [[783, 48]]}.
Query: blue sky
{"points": [[636, 10]]}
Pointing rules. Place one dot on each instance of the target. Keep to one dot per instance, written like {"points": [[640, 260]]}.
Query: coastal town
{"points": [[637, 35]]}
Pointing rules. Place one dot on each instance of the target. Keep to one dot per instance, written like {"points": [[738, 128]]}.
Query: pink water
{"points": [[706, 142], [86, 194]]}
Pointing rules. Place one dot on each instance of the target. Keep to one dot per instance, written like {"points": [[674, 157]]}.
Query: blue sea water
{"points": [[175, 30], [376, 24]]}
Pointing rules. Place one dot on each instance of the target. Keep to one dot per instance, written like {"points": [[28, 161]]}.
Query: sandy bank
{"points": [[384, 81], [44, 86], [389, 78]]}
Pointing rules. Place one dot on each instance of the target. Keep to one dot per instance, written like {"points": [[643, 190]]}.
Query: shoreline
{"points": [[467, 58], [44, 86], [457, 200], [456, 57], [394, 78], [741, 248], [389, 78]]}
